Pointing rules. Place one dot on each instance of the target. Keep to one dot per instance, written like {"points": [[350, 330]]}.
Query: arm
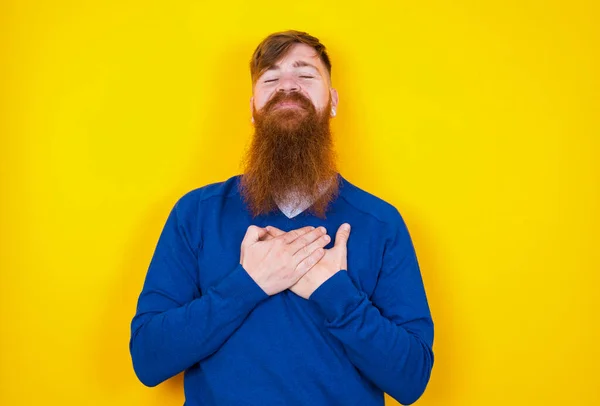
{"points": [[176, 326], [390, 337]]}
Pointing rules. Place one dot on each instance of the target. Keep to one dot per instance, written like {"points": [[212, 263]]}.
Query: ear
{"points": [[334, 99], [252, 109]]}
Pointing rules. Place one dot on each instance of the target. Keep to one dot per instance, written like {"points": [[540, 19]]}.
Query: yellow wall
{"points": [[478, 120]]}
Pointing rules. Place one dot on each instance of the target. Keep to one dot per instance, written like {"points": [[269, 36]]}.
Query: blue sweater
{"points": [[365, 331]]}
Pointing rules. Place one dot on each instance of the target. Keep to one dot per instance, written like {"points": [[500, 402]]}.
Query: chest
{"points": [[220, 250]]}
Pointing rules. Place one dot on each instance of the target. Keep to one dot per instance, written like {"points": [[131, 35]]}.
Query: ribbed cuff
{"points": [[337, 296], [240, 288]]}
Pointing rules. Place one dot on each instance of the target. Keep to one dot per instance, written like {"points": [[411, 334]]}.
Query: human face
{"points": [[300, 70]]}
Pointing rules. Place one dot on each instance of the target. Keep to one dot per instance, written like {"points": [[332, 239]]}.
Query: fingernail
{"points": [[346, 227], [323, 229]]}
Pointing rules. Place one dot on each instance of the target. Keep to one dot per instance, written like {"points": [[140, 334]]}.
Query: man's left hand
{"points": [[334, 260]]}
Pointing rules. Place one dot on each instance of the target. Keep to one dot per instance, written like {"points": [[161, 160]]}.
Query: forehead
{"points": [[300, 55]]}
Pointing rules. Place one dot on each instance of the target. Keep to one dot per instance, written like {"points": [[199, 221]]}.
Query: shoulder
{"points": [[212, 193], [369, 204]]}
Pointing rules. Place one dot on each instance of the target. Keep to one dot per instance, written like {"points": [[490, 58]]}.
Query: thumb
{"points": [[342, 235], [253, 234]]}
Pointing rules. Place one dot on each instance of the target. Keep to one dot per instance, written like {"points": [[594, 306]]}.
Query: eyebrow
{"points": [[297, 64]]}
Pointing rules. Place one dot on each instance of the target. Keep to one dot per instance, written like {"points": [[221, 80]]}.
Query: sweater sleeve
{"points": [[176, 326], [389, 337]]}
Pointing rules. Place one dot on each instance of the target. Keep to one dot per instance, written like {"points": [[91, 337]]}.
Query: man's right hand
{"points": [[277, 263]]}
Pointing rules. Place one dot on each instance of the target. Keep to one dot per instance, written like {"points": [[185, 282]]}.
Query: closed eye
{"points": [[307, 77], [270, 80]]}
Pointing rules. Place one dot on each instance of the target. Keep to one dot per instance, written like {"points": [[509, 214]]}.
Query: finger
{"points": [[292, 235], [274, 231], [307, 263], [300, 243], [253, 234], [342, 235], [267, 237], [305, 251]]}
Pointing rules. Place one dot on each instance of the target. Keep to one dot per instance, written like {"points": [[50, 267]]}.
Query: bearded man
{"points": [[248, 293]]}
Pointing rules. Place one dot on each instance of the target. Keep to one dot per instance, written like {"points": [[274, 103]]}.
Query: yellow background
{"points": [[478, 120]]}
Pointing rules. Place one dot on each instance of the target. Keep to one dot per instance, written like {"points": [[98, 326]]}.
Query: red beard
{"points": [[291, 158]]}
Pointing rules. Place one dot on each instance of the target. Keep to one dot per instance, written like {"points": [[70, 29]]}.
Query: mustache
{"points": [[294, 97]]}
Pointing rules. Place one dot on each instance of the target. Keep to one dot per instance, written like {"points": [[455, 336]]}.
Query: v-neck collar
{"points": [[288, 209]]}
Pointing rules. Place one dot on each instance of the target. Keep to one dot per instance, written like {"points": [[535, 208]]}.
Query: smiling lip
{"points": [[287, 104]]}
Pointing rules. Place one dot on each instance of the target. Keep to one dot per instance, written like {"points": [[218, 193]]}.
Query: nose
{"points": [[287, 83]]}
